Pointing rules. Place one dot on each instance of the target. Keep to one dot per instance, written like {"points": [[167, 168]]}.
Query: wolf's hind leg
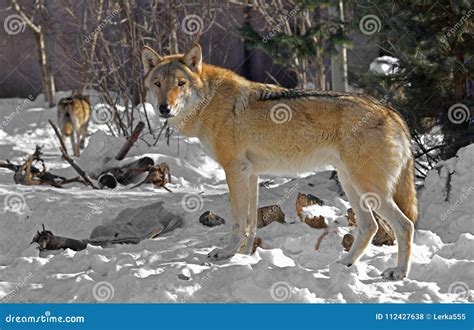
{"points": [[238, 179], [403, 229], [366, 223]]}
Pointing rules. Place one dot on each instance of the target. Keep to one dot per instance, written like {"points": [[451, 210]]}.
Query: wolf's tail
{"points": [[405, 192]]}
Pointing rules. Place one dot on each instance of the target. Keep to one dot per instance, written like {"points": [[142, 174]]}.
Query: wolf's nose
{"points": [[164, 109]]}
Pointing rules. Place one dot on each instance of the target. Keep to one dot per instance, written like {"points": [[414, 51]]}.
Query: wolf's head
{"points": [[173, 82]]}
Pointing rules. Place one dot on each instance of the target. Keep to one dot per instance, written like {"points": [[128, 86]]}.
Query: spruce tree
{"points": [[433, 41]]}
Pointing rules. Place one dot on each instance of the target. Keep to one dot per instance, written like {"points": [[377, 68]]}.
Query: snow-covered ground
{"points": [[174, 267]]}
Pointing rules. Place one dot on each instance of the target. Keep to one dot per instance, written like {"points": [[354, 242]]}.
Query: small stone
{"points": [[269, 214], [316, 222], [351, 217], [211, 219], [184, 277], [347, 241]]}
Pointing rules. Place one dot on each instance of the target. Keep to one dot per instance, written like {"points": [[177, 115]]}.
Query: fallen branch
{"points": [[14, 167], [320, 239], [131, 141], [66, 157], [165, 125], [28, 174], [46, 240]]}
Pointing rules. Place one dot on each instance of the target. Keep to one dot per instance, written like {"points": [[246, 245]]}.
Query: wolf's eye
{"points": [[181, 83], [157, 84]]}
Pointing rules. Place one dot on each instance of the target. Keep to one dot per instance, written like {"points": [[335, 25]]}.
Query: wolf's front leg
{"points": [[73, 143], [77, 147], [251, 230], [238, 179]]}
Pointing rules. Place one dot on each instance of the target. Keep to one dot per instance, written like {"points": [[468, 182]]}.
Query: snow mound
{"points": [[447, 199]]}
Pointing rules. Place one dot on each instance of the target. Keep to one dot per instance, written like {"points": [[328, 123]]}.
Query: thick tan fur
{"points": [[252, 129], [73, 119]]}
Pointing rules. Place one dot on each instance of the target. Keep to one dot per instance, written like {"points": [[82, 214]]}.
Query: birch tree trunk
{"points": [[47, 78]]}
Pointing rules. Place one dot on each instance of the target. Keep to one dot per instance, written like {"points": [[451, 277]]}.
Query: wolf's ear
{"points": [[193, 58], [150, 59]]}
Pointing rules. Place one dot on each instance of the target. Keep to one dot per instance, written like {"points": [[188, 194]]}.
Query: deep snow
{"points": [[174, 267]]}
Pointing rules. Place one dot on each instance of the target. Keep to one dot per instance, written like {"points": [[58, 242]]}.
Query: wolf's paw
{"points": [[346, 261], [394, 274], [220, 254]]}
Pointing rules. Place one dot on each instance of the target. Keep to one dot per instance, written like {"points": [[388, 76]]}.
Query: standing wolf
{"points": [[73, 119], [252, 128]]}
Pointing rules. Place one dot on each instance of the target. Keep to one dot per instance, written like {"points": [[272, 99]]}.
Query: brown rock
{"points": [[269, 214], [347, 241], [303, 200], [351, 218], [315, 222]]}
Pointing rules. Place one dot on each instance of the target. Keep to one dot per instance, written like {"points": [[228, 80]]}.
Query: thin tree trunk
{"points": [[46, 74], [47, 77], [172, 24]]}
